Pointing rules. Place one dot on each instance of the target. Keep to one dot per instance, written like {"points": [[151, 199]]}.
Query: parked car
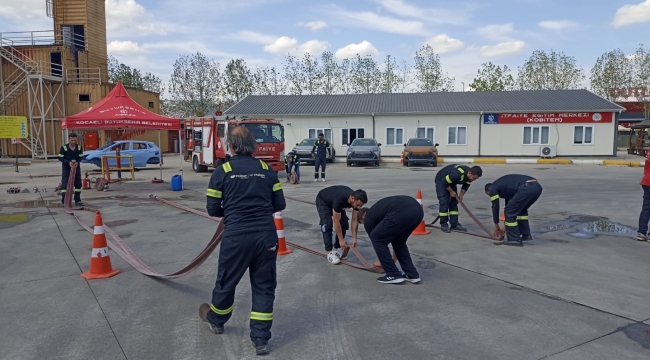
{"points": [[304, 148], [364, 150], [420, 151], [143, 152]]}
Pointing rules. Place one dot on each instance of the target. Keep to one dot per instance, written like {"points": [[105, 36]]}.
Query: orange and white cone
{"points": [[420, 230], [282, 242], [100, 261]]}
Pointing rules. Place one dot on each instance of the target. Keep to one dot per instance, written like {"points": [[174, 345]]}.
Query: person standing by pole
{"points": [[246, 192], [321, 152], [71, 155]]}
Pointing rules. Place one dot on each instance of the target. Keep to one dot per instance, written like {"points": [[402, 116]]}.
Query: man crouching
{"points": [[391, 221]]}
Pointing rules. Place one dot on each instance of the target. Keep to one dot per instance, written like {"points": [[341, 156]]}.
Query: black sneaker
{"points": [[641, 237], [412, 280], [391, 279], [526, 237], [445, 228], [203, 314], [78, 203], [459, 227], [261, 349], [514, 243]]}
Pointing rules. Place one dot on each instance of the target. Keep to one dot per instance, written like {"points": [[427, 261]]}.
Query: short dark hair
{"points": [[321, 134], [360, 195], [72, 135], [487, 187], [476, 170], [361, 214], [241, 141]]}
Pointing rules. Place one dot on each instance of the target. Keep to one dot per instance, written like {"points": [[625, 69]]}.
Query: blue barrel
{"points": [[177, 183]]}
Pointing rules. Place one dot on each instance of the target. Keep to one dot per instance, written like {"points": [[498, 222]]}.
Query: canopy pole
{"points": [[160, 155], [181, 152]]}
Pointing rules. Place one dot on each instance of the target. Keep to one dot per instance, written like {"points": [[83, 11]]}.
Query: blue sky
{"points": [[151, 34]]}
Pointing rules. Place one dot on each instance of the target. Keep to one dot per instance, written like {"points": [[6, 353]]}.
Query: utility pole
{"points": [[389, 89], [463, 86]]}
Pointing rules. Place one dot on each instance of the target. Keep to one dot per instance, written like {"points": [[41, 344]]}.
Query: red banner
{"points": [[556, 118], [122, 123]]}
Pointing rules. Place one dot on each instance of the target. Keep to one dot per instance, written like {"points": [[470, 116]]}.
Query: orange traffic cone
{"points": [[100, 261], [420, 230], [279, 226]]}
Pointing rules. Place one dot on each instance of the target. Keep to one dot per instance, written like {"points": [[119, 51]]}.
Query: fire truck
{"points": [[207, 145]]}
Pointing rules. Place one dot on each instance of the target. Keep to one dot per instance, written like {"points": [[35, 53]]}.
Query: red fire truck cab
{"points": [[207, 145]]}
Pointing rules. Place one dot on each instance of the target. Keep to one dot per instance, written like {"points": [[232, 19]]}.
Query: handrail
{"points": [[40, 37], [83, 75]]}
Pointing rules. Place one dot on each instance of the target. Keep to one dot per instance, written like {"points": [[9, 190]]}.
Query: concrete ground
{"points": [[580, 290]]}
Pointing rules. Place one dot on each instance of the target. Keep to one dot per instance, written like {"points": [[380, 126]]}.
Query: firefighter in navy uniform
{"points": [[70, 155], [519, 192], [447, 181], [292, 162], [321, 152], [246, 192]]}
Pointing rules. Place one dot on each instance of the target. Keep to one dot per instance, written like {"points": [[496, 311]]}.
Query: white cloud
{"points": [[188, 47], [253, 37], [632, 14], [127, 16], [443, 43], [438, 16], [504, 48], [124, 48], [501, 32], [558, 25], [314, 25], [370, 20], [285, 45], [363, 48], [20, 10]]}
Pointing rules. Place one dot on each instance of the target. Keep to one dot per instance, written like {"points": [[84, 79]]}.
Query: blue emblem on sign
{"points": [[490, 118]]}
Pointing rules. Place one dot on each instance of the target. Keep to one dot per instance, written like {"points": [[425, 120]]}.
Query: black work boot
{"points": [[445, 228], [78, 203], [459, 227], [203, 314], [526, 237], [261, 348]]}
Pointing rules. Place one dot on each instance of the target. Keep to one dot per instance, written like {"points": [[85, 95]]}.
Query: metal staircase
{"points": [[17, 84]]}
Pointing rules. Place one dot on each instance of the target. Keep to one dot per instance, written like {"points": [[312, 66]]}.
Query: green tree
{"points": [[132, 78], [194, 85], [428, 72], [237, 81], [641, 77], [366, 76], [493, 78], [612, 71], [554, 71]]}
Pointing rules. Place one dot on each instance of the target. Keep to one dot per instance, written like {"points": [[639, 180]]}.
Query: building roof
{"points": [[423, 103]]}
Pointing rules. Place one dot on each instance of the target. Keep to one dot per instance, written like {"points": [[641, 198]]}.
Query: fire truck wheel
{"points": [[195, 165]]}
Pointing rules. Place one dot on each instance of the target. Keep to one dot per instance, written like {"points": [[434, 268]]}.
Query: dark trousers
{"points": [[65, 176], [447, 206], [645, 211], [327, 225], [516, 210], [320, 162], [257, 253], [395, 230]]}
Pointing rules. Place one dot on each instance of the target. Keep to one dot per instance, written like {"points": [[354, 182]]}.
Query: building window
{"points": [[313, 134], [348, 135], [583, 135], [394, 136], [84, 97], [457, 135], [151, 104], [427, 133], [536, 135]]}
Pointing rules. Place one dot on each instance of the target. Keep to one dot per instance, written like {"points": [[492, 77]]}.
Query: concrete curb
{"points": [[531, 161]]}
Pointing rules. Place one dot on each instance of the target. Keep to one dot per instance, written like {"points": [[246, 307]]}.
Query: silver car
{"points": [[364, 150], [304, 148]]}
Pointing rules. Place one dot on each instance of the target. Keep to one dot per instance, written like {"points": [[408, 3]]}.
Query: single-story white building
{"points": [[504, 123]]}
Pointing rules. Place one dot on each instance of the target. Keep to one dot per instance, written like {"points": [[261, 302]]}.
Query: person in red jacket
{"points": [[644, 218]]}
